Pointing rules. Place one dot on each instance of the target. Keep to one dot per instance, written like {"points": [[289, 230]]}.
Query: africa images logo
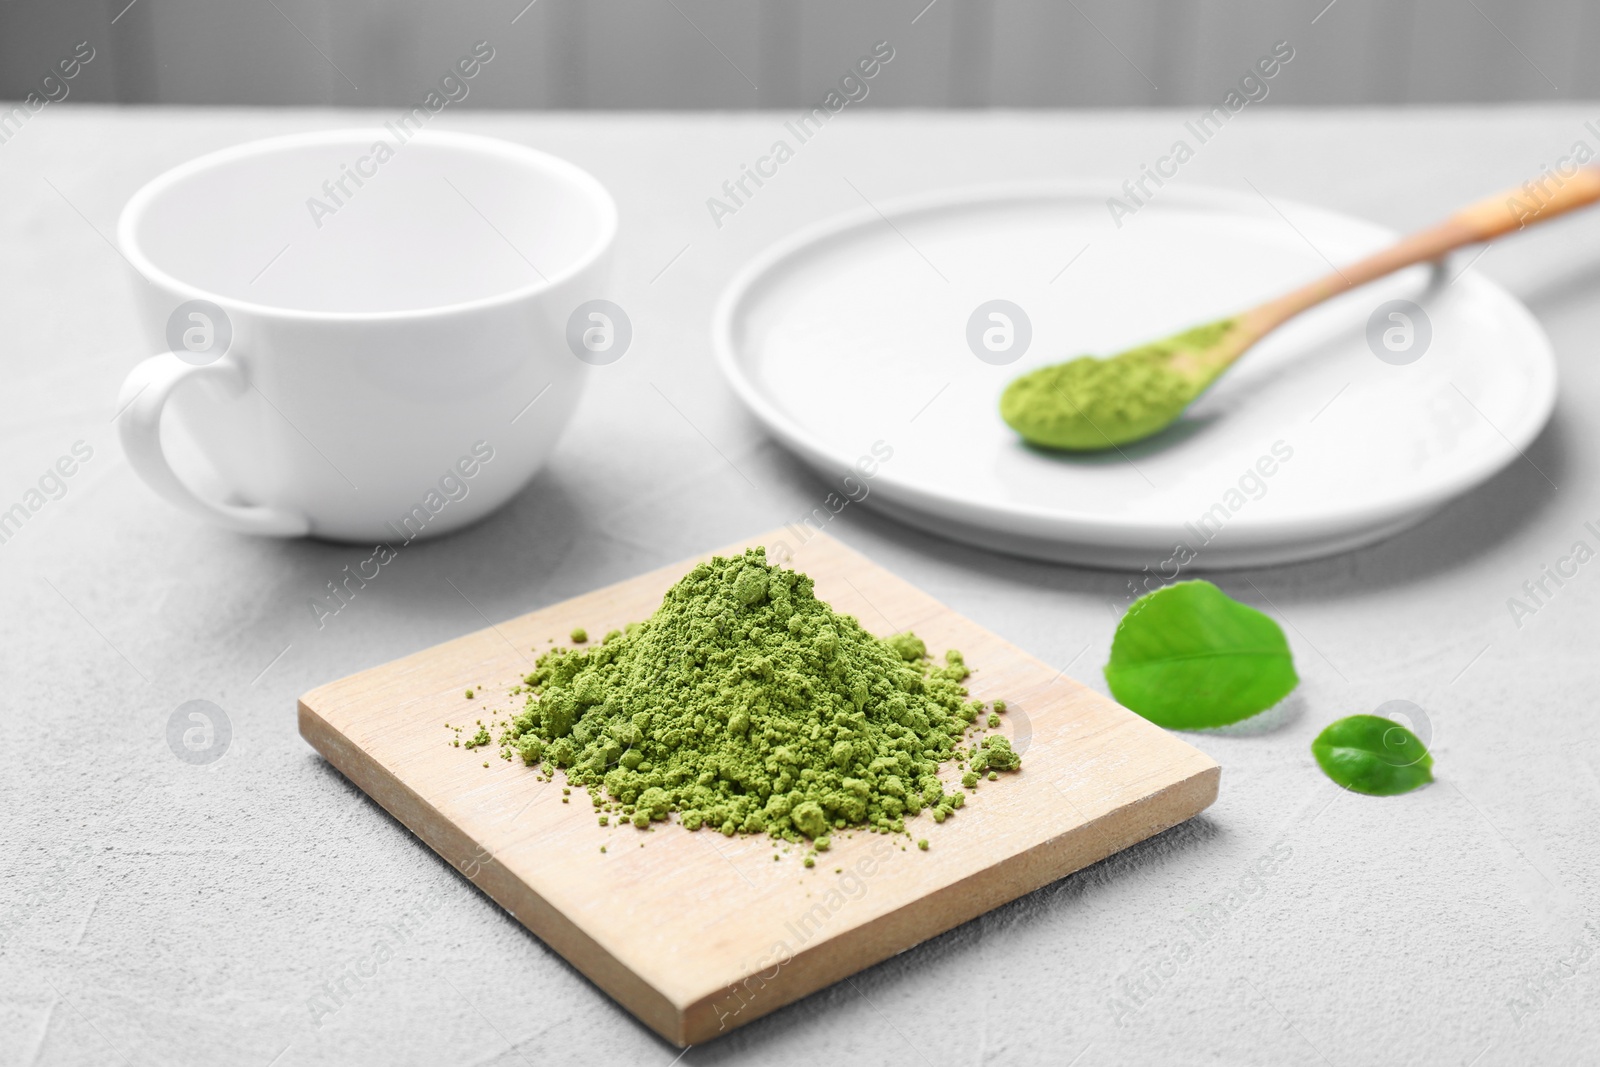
{"points": [[199, 732], [453, 88]]}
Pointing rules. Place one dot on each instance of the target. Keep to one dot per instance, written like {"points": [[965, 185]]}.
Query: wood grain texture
{"points": [[696, 933]]}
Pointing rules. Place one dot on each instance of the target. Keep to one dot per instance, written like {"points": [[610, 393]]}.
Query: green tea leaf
{"points": [[1189, 657], [1373, 755]]}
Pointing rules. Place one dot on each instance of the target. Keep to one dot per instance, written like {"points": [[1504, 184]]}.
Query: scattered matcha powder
{"points": [[994, 754], [748, 705], [579, 635]]}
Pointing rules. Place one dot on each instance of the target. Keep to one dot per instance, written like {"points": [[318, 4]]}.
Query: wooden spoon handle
{"points": [[1511, 209]]}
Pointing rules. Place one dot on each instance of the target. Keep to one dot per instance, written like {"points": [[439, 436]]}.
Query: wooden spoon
{"points": [[1088, 403]]}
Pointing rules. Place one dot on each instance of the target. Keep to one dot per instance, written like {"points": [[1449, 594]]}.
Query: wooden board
{"points": [[696, 933]]}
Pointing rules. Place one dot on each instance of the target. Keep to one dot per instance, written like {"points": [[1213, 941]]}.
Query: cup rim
{"points": [[133, 212]]}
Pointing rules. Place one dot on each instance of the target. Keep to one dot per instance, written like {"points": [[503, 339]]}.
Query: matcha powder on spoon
{"points": [[1087, 404], [748, 705]]}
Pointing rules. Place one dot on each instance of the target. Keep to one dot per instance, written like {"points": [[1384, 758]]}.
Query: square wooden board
{"points": [[696, 933]]}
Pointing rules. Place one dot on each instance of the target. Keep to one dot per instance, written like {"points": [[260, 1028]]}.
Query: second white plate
{"points": [[856, 331]]}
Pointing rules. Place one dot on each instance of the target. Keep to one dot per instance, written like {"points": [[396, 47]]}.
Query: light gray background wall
{"points": [[783, 53]]}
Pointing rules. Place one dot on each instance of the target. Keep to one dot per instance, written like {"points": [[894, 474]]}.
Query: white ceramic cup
{"points": [[365, 335]]}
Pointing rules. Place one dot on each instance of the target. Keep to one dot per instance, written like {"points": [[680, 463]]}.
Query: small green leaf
{"points": [[1373, 755], [1189, 657]]}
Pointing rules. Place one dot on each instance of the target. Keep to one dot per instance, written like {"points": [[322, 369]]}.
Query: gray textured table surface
{"points": [[154, 911]]}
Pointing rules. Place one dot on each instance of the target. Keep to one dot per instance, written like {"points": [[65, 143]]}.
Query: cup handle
{"points": [[144, 396]]}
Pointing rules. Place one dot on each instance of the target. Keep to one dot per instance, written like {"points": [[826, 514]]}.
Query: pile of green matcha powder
{"points": [[747, 705]]}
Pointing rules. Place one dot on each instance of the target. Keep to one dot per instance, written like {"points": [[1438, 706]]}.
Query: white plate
{"points": [[855, 331]]}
